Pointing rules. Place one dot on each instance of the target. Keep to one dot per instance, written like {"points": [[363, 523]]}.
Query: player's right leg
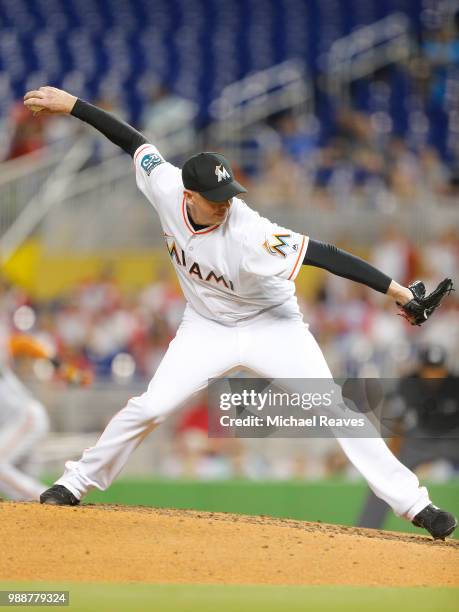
{"points": [[202, 349]]}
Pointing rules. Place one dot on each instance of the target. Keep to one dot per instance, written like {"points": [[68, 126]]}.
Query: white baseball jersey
{"points": [[231, 271]]}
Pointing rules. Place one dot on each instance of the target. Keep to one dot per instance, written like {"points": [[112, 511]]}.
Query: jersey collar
{"points": [[205, 230]]}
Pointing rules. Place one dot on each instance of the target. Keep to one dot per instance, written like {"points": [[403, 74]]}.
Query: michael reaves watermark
{"points": [[286, 408]]}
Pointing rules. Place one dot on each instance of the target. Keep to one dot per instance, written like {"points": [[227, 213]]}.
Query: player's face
{"points": [[205, 212]]}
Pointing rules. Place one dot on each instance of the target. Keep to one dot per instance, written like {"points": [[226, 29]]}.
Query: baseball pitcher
{"points": [[236, 270]]}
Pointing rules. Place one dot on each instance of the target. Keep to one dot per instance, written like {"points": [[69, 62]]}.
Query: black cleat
{"points": [[438, 523], [58, 495]]}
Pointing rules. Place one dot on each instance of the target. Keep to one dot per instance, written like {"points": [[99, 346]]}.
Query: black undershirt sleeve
{"points": [[119, 132], [341, 263]]}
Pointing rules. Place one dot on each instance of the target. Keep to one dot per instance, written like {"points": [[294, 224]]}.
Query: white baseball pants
{"points": [[269, 346], [24, 423]]}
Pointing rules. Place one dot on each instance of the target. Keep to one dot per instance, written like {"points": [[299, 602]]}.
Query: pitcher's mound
{"points": [[131, 544]]}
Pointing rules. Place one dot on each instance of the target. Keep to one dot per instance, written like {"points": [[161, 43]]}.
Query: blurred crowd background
{"points": [[122, 336], [342, 119]]}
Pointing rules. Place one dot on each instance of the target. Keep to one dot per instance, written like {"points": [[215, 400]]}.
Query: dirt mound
{"points": [[130, 544]]}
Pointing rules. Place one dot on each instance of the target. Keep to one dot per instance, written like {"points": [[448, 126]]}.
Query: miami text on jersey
{"points": [[178, 255]]}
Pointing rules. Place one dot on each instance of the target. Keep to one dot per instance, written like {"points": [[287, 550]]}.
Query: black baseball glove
{"points": [[419, 309]]}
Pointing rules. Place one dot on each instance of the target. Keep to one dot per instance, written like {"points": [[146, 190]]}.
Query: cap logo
{"points": [[221, 172]]}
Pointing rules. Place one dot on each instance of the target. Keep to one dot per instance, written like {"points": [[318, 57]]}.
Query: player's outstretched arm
{"points": [[415, 305], [51, 100], [342, 263]]}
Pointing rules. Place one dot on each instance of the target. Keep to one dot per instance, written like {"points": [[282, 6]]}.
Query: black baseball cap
{"points": [[210, 175]]}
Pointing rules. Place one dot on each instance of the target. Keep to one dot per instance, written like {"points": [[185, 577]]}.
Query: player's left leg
{"points": [[286, 349]]}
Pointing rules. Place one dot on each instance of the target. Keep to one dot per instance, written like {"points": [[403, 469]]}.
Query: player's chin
{"points": [[220, 216]]}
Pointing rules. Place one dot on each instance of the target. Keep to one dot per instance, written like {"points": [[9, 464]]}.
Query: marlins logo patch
{"points": [[280, 244], [150, 161]]}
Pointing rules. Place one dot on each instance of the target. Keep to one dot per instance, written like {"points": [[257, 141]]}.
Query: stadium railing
{"points": [[365, 50]]}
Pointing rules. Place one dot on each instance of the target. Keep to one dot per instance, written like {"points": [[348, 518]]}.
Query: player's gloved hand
{"points": [[421, 307], [75, 376], [71, 374]]}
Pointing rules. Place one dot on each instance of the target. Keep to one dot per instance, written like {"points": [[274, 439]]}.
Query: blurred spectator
{"points": [[299, 135], [404, 171], [395, 256], [440, 258], [434, 175], [282, 181], [168, 114], [27, 131], [163, 297], [101, 292]]}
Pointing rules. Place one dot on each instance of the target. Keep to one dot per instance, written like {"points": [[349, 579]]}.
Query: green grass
{"points": [[330, 501], [251, 598]]}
